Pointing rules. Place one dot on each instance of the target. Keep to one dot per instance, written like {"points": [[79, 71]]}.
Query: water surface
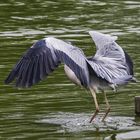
{"points": [[55, 108]]}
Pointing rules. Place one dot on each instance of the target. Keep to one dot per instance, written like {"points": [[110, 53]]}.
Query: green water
{"points": [[56, 99]]}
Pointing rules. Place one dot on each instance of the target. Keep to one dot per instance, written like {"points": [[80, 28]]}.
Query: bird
{"points": [[108, 68]]}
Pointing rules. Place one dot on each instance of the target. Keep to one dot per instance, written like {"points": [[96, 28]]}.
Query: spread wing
{"points": [[110, 61], [43, 57]]}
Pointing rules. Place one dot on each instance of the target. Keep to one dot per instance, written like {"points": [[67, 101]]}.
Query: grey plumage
{"points": [[110, 61], [43, 57], [109, 67]]}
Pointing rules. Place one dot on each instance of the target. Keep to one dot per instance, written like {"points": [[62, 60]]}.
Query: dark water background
{"points": [[55, 107]]}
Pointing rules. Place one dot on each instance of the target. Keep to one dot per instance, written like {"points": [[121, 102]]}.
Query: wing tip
{"points": [[99, 37], [6, 81], [10, 78]]}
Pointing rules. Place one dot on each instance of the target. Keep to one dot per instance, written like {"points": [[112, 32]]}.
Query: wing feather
{"points": [[45, 56], [110, 61]]}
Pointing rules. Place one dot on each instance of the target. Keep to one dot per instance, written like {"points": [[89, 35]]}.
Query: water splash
{"points": [[72, 122]]}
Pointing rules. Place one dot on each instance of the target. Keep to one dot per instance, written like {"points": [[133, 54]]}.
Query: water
{"points": [[55, 108]]}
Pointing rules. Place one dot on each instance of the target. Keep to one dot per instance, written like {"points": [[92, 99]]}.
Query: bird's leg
{"points": [[108, 107], [96, 104]]}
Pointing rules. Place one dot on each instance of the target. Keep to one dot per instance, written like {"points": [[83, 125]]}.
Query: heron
{"points": [[108, 68]]}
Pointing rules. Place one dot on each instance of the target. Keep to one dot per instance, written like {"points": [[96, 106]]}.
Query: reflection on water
{"points": [[23, 111]]}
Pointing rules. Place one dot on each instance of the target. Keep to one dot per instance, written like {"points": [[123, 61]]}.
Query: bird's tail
{"points": [[134, 80], [123, 80]]}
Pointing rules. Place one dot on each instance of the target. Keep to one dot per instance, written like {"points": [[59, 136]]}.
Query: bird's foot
{"points": [[94, 115], [107, 111]]}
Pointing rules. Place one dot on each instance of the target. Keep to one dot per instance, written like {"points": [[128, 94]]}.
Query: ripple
{"points": [[22, 32]]}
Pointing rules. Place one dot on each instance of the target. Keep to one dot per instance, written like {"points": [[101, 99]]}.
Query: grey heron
{"points": [[110, 67]]}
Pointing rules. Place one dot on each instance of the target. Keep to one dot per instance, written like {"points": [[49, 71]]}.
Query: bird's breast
{"points": [[71, 75]]}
